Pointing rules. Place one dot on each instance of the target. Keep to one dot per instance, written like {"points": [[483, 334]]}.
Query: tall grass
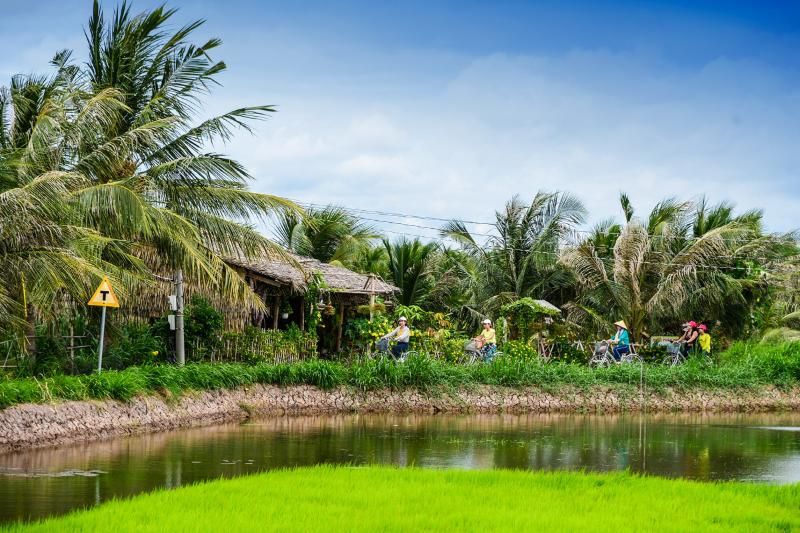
{"points": [[744, 366], [326, 498]]}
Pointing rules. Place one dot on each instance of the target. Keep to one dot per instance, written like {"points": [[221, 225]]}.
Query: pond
{"points": [[759, 448]]}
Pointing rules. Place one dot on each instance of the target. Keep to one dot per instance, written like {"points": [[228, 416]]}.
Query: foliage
{"points": [[408, 268], [524, 314], [521, 351], [519, 260], [104, 169], [203, 326], [744, 366], [327, 234], [564, 350], [375, 498], [372, 260], [364, 332], [780, 362], [136, 345], [444, 344], [316, 285], [377, 308], [674, 265]]}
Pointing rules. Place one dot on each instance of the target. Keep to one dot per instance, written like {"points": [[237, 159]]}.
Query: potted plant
{"points": [[286, 310]]}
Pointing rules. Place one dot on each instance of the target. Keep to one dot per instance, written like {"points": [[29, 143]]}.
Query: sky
{"points": [[448, 109]]}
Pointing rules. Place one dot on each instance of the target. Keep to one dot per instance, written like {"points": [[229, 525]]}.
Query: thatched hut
{"points": [[284, 284]]}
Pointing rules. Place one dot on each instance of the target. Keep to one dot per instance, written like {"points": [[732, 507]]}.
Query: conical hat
{"points": [[621, 324]]}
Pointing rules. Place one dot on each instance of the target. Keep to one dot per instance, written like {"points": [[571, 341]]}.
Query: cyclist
{"points": [[489, 338], [621, 339], [704, 340], [401, 335], [689, 340]]}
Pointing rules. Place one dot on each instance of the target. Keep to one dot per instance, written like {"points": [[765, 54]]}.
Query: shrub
{"points": [[203, 328], [520, 350], [136, 345]]}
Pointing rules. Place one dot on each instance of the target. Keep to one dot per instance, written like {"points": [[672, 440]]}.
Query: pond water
{"points": [[762, 448]]}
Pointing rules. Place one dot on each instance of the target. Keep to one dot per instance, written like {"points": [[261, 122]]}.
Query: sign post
{"points": [[103, 297]]}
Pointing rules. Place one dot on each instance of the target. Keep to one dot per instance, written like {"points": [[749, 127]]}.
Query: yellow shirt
{"points": [[704, 340], [489, 336]]}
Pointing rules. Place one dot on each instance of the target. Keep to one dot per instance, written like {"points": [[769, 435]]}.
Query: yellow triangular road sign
{"points": [[104, 295]]}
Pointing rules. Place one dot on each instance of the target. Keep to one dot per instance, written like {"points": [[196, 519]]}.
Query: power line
{"points": [[558, 255], [489, 236], [356, 211]]}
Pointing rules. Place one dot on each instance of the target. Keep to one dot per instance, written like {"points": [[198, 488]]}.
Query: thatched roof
{"points": [[296, 276], [547, 305]]}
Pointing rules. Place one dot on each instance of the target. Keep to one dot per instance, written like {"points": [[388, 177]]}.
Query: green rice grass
{"points": [[327, 498]]}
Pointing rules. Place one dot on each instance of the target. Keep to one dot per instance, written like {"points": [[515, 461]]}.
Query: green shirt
{"points": [[622, 337]]}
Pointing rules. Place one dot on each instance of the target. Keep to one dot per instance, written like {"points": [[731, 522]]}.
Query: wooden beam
{"points": [[276, 308], [302, 314], [339, 328]]}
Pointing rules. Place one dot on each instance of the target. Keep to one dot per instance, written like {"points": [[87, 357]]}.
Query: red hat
{"points": [[703, 327], [692, 324]]}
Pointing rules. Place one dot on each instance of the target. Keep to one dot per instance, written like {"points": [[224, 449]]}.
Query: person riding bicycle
{"points": [[621, 341], [488, 339], [401, 335], [689, 339], [704, 340]]}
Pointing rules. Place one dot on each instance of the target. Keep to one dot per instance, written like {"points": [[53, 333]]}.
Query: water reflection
{"points": [[50, 481]]}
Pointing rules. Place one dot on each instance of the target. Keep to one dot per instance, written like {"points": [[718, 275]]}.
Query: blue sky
{"points": [[448, 109]]}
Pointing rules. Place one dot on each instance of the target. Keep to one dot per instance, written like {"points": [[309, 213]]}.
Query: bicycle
{"points": [[475, 351], [675, 355], [384, 350], [602, 355]]}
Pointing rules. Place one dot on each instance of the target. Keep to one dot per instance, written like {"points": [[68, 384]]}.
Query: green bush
{"points": [[136, 345], [520, 350], [203, 328], [565, 351], [744, 366]]}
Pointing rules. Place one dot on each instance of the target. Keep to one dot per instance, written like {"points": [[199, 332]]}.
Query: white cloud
{"points": [[592, 123]]}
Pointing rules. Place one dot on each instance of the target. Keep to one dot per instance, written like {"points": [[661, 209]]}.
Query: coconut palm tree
{"points": [[328, 234], [124, 127], [162, 78], [373, 260], [520, 257], [50, 259], [408, 268], [668, 267]]}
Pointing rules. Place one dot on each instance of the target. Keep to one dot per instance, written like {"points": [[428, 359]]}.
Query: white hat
{"points": [[404, 319], [486, 321]]}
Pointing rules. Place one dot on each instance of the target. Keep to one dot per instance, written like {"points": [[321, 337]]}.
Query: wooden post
{"points": [[302, 313], [339, 328], [72, 348], [371, 304], [276, 308]]}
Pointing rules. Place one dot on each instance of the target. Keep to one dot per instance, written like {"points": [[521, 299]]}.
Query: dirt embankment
{"points": [[31, 426]]}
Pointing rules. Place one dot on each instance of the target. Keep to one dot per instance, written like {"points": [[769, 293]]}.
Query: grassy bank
{"points": [[740, 368], [328, 498]]}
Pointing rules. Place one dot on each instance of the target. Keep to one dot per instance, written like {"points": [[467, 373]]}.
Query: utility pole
{"points": [[180, 352]]}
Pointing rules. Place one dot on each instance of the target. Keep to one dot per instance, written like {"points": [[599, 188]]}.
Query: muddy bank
{"points": [[31, 426]]}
